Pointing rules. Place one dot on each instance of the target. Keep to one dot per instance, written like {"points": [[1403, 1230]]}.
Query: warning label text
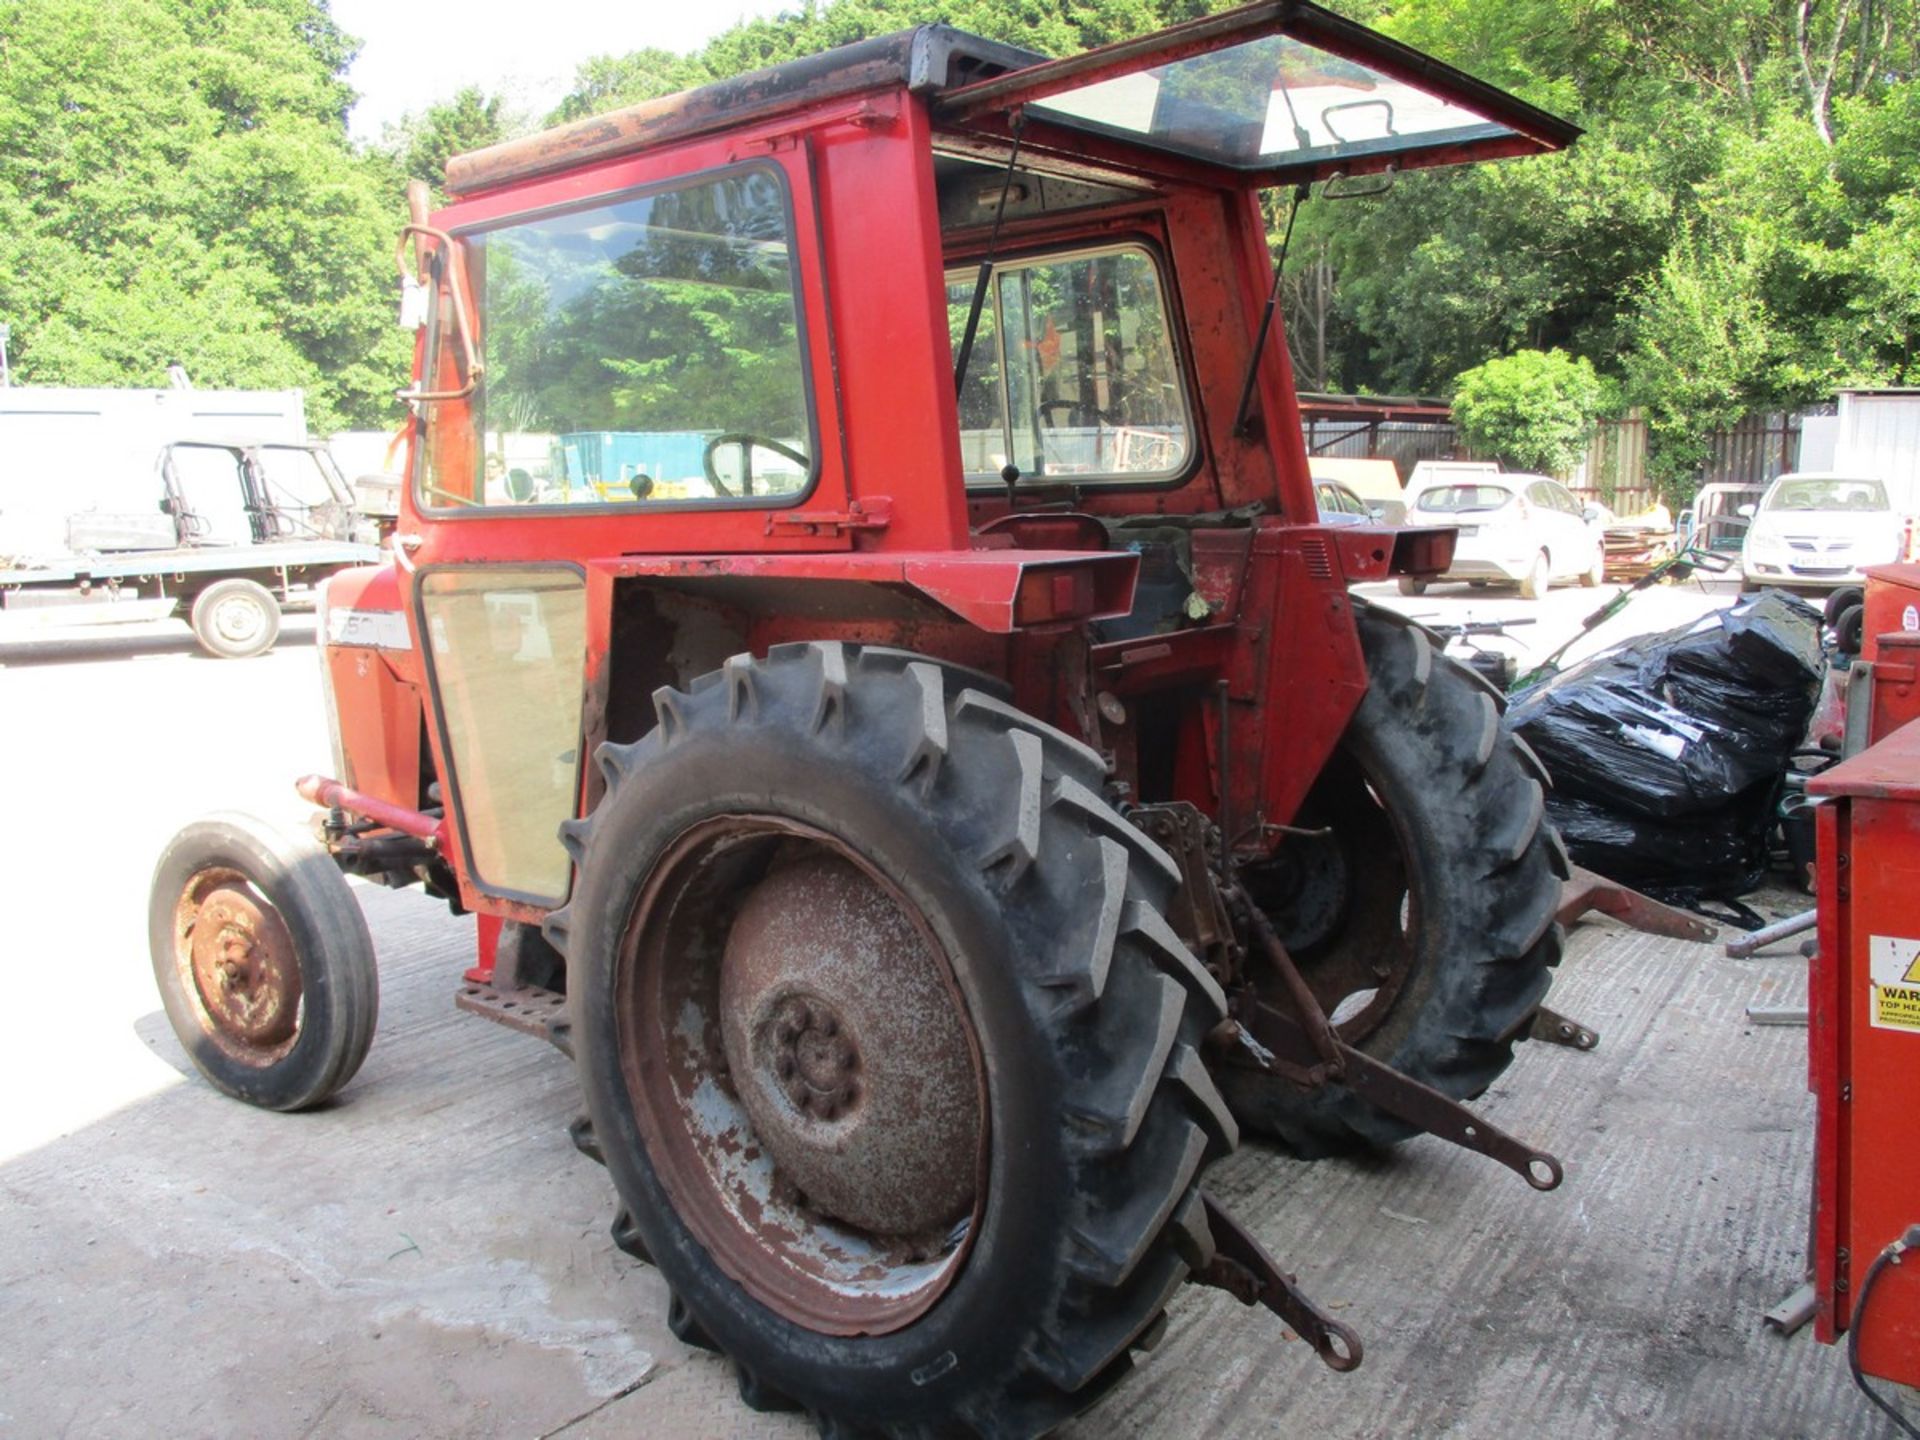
{"points": [[1893, 964]]}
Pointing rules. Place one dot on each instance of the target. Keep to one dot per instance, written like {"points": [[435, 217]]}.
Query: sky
{"points": [[414, 52]]}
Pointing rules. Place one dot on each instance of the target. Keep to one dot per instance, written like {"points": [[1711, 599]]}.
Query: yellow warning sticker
{"points": [[1893, 964]]}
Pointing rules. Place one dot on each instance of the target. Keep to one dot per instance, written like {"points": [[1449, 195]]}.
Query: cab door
{"points": [[207, 487]]}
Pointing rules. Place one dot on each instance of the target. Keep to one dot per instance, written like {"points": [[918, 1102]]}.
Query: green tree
{"points": [[176, 187], [607, 82], [1699, 343], [1534, 410], [471, 120]]}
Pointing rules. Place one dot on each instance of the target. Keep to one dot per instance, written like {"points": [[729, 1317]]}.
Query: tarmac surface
{"points": [[429, 1255]]}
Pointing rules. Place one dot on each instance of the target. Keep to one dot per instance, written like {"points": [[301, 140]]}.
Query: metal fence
{"points": [[1404, 442], [1753, 451], [1614, 469]]}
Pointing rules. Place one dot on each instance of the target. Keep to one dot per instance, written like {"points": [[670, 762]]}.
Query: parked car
{"points": [[1819, 530], [1339, 505], [1376, 482], [1515, 529]]}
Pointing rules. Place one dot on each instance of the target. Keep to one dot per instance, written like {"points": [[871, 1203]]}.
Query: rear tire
{"points": [[1538, 579], [263, 960], [1413, 585], [235, 619], [1042, 908], [1438, 811]]}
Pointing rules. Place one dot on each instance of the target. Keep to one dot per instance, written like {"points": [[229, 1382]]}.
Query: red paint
{"points": [[1866, 1078], [1892, 590]]}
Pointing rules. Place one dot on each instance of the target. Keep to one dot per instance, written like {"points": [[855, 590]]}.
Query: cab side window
{"points": [[635, 351]]}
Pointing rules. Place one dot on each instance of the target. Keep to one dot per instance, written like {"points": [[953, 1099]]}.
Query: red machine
{"points": [[1865, 1006], [860, 634], [1892, 608]]}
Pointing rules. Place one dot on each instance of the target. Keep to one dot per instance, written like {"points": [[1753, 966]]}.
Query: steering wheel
{"points": [[746, 440]]}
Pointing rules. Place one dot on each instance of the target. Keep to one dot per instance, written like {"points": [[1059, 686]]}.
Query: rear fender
{"points": [[1298, 678]]}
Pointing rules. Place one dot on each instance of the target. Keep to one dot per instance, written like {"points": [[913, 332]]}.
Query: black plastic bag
{"points": [[1667, 751]]}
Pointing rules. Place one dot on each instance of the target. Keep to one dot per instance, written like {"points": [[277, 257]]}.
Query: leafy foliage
{"points": [[176, 187], [1733, 233], [469, 121], [1739, 229], [1535, 409]]}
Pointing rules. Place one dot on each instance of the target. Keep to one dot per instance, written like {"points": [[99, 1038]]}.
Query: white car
{"points": [[1818, 530], [1515, 529]]}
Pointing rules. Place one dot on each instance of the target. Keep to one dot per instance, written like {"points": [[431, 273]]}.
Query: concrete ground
{"points": [[429, 1255]]}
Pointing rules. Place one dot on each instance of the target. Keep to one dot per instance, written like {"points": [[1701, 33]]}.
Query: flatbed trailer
{"points": [[232, 595]]}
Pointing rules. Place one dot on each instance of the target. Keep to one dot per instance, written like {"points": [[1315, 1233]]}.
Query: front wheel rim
{"points": [[238, 967], [806, 1123]]}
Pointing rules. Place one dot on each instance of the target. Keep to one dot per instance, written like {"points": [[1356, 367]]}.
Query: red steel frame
{"points": [[1867, 1132]]}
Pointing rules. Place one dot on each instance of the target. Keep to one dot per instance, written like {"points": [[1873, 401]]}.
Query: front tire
{"points": [[1538, 579], [994, 1101], [235, 619], [263, 961], [1425, 924]]}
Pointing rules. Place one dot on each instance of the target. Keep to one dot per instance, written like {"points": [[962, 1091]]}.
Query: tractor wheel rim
{"points": [[242, 969], [803, 1073], [1367, 858]]}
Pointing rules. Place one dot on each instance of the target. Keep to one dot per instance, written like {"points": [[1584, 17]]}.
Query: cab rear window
{"points": [[1073, 372], [1453, 499]]}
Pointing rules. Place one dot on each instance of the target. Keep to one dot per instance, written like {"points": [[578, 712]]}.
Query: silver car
{"points": [[1819, 530], [1515, 529]]}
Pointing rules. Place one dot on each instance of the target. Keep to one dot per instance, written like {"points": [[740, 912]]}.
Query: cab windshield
{"points": [[639, 351], [1828, 495]]}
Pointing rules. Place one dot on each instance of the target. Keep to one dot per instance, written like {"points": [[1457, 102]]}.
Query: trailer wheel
{"points": [[235, 618], [1423, 915], [891, 1054], [263, 961]]}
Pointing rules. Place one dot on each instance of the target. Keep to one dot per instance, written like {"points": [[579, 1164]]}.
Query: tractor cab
{"points": [[736, 300]]}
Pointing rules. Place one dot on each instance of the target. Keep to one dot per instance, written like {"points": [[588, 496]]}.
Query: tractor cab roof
{"points": [[1268, 94]]}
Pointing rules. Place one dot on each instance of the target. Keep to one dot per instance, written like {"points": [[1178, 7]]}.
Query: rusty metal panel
{"points": [[929, 57], [1754, 450]]}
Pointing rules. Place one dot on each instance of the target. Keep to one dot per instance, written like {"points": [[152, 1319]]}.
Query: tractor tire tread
{"points": [[1102, 979], [1500, 863]]}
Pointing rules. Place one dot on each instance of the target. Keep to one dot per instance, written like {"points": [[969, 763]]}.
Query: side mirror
{"points": [[1747, 510], [1590, 513]]}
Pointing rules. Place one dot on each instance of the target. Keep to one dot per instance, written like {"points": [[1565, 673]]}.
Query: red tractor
{"points": [[860, 639]]}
